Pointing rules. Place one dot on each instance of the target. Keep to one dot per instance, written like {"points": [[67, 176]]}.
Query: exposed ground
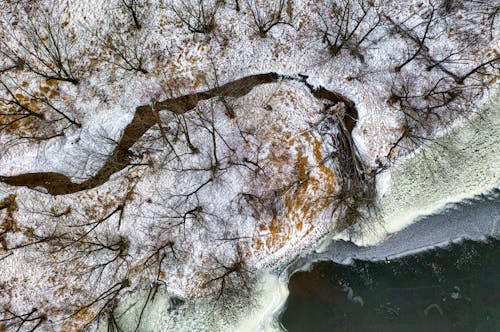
{"points": [[160, 143]]}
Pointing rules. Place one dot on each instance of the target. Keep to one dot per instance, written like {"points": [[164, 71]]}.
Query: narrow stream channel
{"points": [[437, 268], [146, 116]]}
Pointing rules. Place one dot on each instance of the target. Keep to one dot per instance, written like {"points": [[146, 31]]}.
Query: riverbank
{"points": [[437, 220]]}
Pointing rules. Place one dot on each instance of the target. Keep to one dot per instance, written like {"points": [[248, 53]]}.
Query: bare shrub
{"points": [[197, 15], [348, 24], [124, 49], [268, 14], [29, 114], [42, 44]]}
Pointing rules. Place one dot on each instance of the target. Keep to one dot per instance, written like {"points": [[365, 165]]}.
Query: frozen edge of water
{"points": [[415, 217]]}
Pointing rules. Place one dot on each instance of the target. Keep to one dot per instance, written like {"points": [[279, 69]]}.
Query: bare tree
{"points": [[104, 304], [197, 15], [420, 41], [348, 25], [459, 56], [123, 49], [487, 68], [107, 251], [439, 100], [97, 254], [132, 6], [32, 114], [43, 45], [31, 320], [426, 107], [228, 280], [267, 15]]}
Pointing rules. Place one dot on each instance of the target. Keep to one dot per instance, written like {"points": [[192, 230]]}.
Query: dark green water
{"points": [[456, 288]]}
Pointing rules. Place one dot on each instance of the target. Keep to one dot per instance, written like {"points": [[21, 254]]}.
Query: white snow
{"points": [[274, 127]]}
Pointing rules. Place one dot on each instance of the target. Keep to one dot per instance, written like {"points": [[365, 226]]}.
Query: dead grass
{"points": [[305, 195], [29, 126]]}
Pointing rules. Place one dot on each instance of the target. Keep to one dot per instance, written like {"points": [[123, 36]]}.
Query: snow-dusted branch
{"points": [[124, 50], [197, 15], [31, 320], [32, 114], [348, 25], [268, 14], [43, 45], [132, 6]]}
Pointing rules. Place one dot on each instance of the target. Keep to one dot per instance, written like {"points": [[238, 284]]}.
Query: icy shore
{"points": [[445, 193]]}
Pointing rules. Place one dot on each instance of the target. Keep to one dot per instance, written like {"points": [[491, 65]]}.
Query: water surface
{"points": [[456, 288]]}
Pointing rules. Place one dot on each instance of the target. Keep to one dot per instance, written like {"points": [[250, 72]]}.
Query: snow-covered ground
{"points": [[446, 213], [246, 184], [460, 165]]}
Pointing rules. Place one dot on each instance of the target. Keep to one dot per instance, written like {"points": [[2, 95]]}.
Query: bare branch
{"points": [[197, 15]]}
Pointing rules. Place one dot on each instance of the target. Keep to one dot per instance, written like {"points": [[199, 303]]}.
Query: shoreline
{"points": [[273, 282], [404, 226]]}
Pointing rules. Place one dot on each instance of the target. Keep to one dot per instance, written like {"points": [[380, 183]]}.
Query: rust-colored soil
{"points": [[145, 117]]}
